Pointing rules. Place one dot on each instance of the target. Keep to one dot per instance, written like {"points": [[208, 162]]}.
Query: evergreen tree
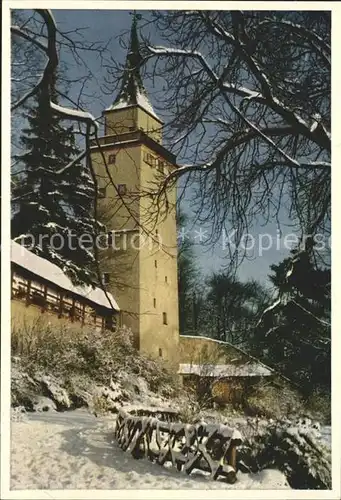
{"points": [[233, 307], [187, 281], [51, 202], [296, 333]]}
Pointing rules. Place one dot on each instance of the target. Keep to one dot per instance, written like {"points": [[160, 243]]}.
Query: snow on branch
{"points": [[291, 161], [241, 43], [318, 44], [23, 34], [241, 138], [215, 27], [319, 320], [79, 157], [194, 54], [74, 114], [51, 53], [45, 84], [270, 308]]}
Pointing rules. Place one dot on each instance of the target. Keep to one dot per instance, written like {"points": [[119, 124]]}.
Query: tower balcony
{"points": [[128, 138], [118, 138]]}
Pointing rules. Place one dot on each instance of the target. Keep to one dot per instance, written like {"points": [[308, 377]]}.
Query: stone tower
{"points": [[140, 267]]}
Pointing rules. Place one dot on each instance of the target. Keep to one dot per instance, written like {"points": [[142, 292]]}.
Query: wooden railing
{"points": [[57, 302], [207, 447], [164, 414], [116, 138]]}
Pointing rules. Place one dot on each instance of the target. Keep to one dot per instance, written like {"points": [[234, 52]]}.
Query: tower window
{"points": [[154, 301], [160, 352], [122, 189], [156, 232], [111, 159], [155, 263], [150, 159], [161, 166], [164, 318], [166, 279], [106, 278]]}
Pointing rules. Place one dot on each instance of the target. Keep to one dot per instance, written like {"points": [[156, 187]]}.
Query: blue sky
{"points": [[105, 25]]}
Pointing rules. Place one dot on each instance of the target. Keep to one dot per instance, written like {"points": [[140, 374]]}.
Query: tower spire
{"points": [[132, 90]]}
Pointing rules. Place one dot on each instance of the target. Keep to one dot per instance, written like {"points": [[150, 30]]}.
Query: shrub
{"points": [[293, 448], [272, 400], [318, 405], [68, 351]]}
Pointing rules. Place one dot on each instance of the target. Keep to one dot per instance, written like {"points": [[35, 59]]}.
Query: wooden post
{"points": [[45, 299], [60, 313], [73, 310], [28, 293]]}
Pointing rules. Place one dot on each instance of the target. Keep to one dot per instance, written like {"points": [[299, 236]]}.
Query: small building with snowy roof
{"points": [[40, 289], [219, 369]]}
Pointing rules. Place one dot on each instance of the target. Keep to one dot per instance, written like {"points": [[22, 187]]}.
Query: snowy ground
{"points": [[75, 450]]}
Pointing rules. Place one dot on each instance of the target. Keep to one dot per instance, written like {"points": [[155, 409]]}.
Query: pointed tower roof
{"points": [[132, 91]]}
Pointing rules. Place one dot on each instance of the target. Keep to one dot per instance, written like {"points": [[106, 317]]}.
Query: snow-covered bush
{"points": [[18, 414], [263, 401], [83, 362], [295, 448], [319, 405]]}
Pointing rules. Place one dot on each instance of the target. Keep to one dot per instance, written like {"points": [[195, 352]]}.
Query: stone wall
{"points": [[203, 350]]}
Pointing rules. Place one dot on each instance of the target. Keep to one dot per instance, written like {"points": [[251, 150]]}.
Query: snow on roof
{"points": [[228, 344], [133, 92], [230, 370], [141, 100], [49, 271]]}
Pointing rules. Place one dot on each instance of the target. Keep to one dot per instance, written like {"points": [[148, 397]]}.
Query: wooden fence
{"points": [[207, 447], [164, 414]]}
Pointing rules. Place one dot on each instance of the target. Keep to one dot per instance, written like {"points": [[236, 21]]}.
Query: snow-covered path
{"points": [[75, 450]]}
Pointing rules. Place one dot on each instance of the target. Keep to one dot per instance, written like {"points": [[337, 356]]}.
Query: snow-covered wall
{"points": [[49, 271]]}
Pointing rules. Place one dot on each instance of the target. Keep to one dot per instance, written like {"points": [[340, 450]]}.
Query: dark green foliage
{"points": [[188, 278], [295, 335], [52, 204], [235, 307], [221, 306], [294, 449]]}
